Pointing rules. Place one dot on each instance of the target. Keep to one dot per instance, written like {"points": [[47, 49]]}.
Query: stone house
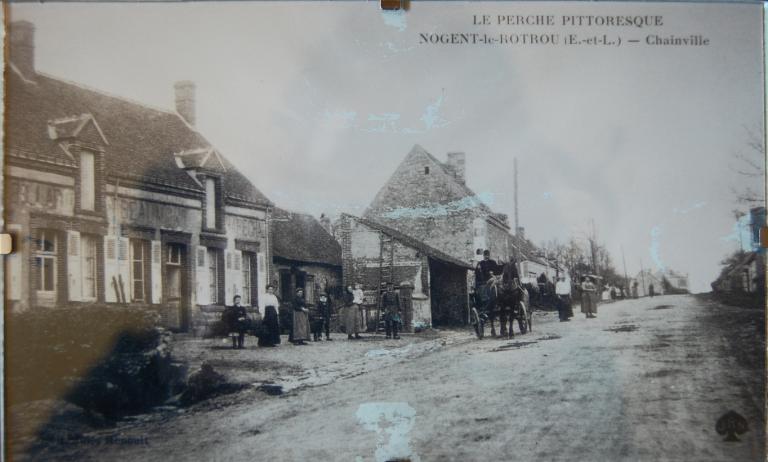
{"points": [[430, 201], [432, 284], [113, 202], [304, 255]]}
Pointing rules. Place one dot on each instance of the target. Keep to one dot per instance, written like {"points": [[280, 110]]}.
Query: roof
{"points": [[412, 242], [300, 237], [454, 195], [46, 113]]}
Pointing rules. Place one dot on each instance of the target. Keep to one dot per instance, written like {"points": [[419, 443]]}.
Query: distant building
{"points": [[304, 255], [433, 284], [745, 271], [677, 282], [645, 279]]}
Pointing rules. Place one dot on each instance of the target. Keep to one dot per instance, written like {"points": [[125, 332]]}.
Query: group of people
{"points": [[307, 319]]}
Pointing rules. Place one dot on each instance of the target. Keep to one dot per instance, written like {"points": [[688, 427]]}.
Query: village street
{"points": [[646, 380]]}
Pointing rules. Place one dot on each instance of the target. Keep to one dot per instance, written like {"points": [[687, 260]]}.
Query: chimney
{"points": [[520, 232], [22, 47], [325, 222], [457, 162], [185, 100]]}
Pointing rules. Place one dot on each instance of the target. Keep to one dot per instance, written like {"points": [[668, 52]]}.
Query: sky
{"points": [[317, 103]]}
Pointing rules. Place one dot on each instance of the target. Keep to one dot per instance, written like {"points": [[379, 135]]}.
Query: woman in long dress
{"points": [[588, 294], [270, 336], [300, 319], [351, 315]]}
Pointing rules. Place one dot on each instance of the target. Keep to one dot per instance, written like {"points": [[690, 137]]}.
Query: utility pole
{"points": [[593, 246], [517, 218], [624, 261], [642, 274]]}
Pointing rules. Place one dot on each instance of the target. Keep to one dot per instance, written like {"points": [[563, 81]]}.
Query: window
{"points": [[213, 275], [174, 254], [138, 270], [246, 269], [87, 181], [45, 257], [210, 203], [426, 170], [173, 272], [88, 262]]}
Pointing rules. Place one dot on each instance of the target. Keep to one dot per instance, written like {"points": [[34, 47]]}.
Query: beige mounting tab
{"points": [[6, 244]]}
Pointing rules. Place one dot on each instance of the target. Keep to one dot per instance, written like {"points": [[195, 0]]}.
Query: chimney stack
{"points": [[185, 100], [22, 47], [520, 232], [457, 162]]}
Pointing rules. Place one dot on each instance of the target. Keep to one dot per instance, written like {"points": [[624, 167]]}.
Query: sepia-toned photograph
{"points": [[384, 231]]}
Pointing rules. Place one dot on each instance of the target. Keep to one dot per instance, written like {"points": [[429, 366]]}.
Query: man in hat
{"points": [[486, 268], [390, 303]]}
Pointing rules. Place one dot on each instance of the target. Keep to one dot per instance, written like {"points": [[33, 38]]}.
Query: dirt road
{"points": [[646, 380]]}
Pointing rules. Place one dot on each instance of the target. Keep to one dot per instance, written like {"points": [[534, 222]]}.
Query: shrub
{"points": [[113, 360]]}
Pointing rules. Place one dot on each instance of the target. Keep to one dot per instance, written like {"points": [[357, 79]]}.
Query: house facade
{"points": [[432, 284], [304, 255], [113, 202]]}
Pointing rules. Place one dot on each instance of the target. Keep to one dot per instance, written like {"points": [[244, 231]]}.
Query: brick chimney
{"points": [[22, 47], [185, 100], [457, 162]]}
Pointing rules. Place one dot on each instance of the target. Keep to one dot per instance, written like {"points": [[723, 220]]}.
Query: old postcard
{"points": [[446, 231]]}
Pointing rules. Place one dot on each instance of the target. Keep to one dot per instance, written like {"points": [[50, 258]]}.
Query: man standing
{"points": [[236, 319], [321, 318], [563, 292], [390, 303]]}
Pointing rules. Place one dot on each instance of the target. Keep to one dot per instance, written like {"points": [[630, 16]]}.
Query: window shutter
{"points": [[229, 288], [74, 267], [156, 269], [110, 269], [13, 267], [201, 278], [124, 269], [237, 274], [261, 272]]}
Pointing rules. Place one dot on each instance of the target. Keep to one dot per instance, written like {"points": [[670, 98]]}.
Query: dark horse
{"points": [[506, 297]]}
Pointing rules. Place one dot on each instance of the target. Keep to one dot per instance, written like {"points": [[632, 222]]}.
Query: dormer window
{"points": [[213, 205], [210, 202], [87, 181]]}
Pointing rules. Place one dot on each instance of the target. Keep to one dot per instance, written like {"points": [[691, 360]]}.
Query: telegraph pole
{"points": [[517, 218], [624, 260]]}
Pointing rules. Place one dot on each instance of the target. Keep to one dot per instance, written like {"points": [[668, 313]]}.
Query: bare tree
{"points": [[751, 165]]}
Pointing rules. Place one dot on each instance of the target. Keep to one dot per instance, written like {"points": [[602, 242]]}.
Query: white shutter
{"points": [[13, 266], [229, 289], [156, 269], [201, 277], [74, 267], [110, 269], [261, 272], [124, 268], [237, 274]]}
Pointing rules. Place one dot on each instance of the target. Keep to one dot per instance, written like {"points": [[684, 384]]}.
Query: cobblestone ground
{"points": [[647, 380]]}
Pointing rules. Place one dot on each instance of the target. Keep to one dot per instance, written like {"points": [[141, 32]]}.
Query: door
{"points": [[177, 302]]}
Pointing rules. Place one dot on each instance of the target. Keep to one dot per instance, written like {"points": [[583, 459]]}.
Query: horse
{"points": [[507, 298]]}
